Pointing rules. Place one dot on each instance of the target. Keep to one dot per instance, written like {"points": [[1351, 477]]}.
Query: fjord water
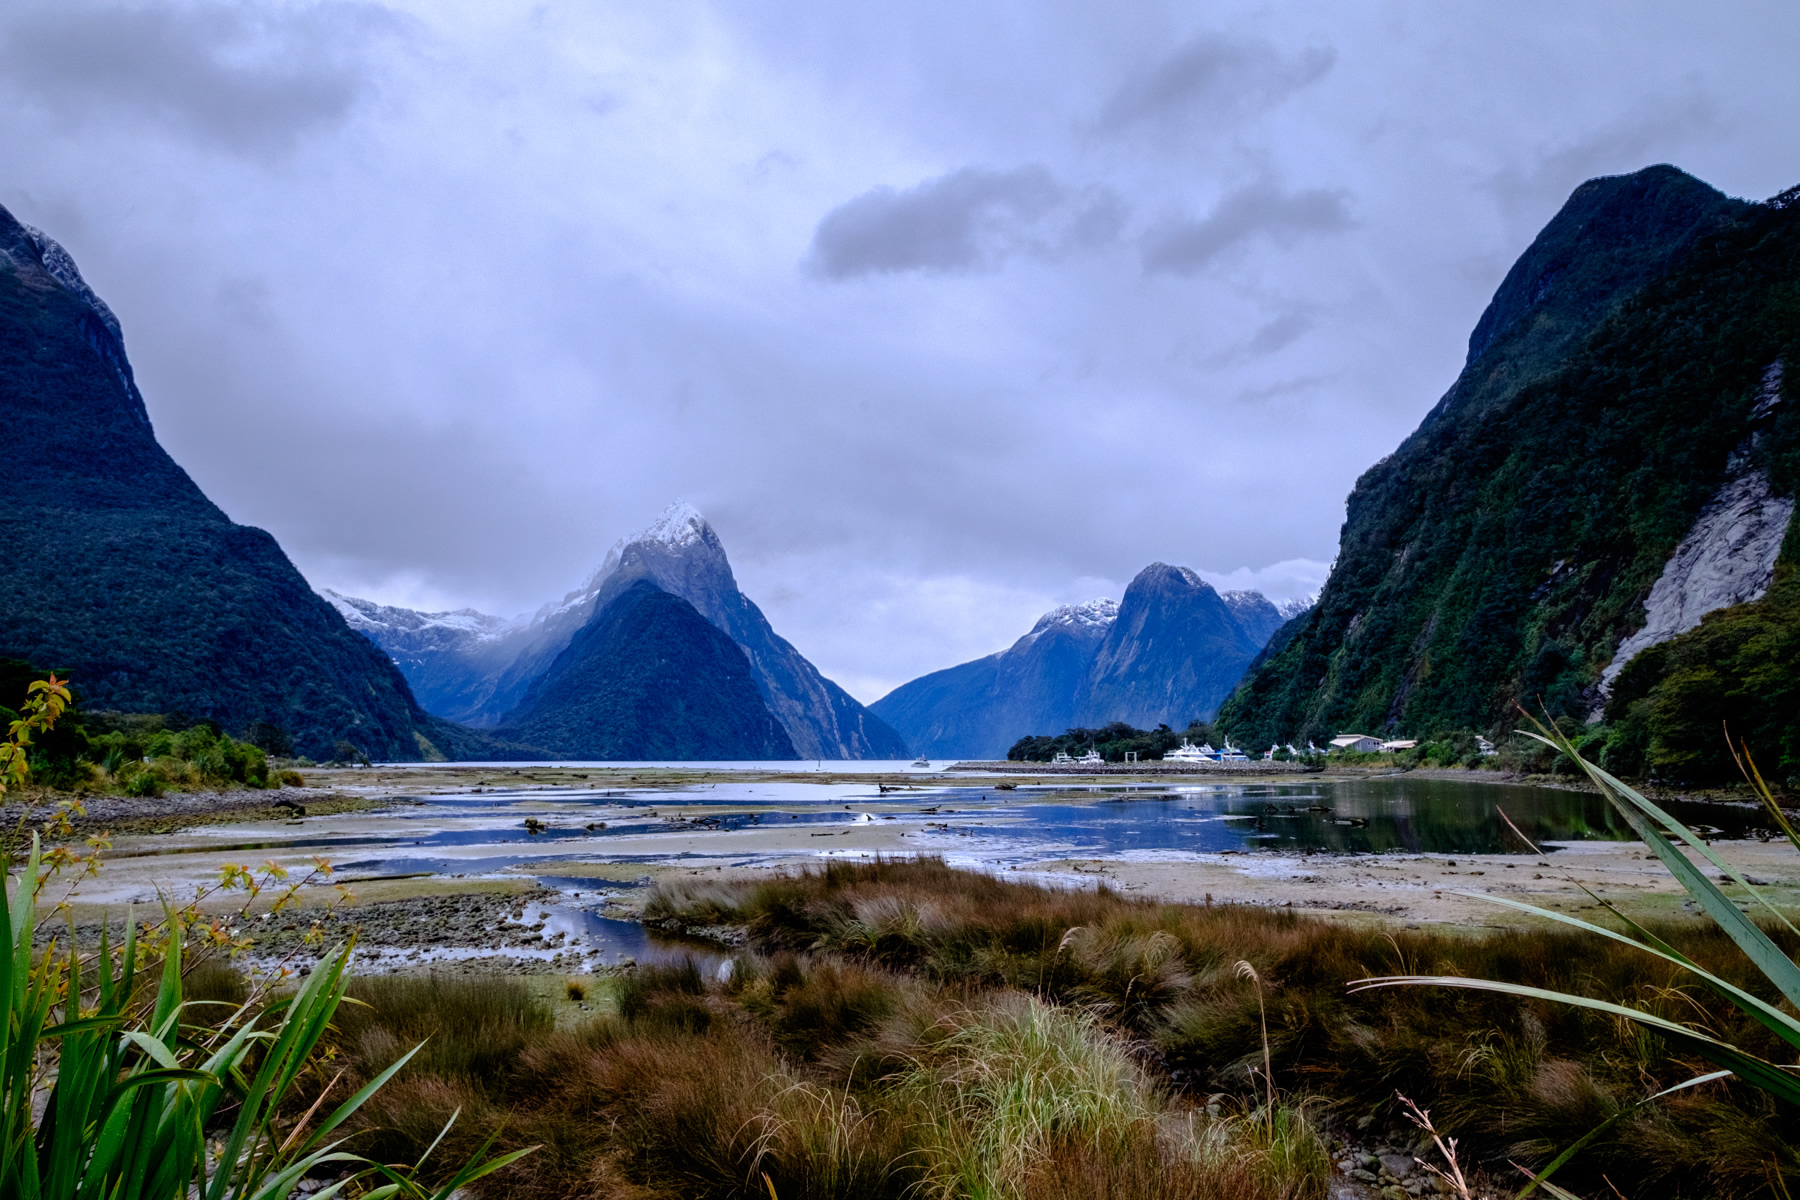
{"points": [[975, 825]]}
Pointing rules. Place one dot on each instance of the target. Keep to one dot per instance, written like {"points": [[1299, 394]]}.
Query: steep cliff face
{"points": [[976, 710], [118, 572], [649, 678], [1728, 557], [1615, 388], [1174, 653]]}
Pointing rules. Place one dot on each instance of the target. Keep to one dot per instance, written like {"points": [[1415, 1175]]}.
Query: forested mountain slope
{"points": [[649, 678], [119, 573], [1624, 378]]}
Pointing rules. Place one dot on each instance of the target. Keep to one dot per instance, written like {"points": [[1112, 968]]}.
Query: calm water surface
{"points": [[470, 834]]}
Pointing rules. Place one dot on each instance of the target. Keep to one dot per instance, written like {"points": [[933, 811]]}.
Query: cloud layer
{"points": [[944, 314], [970, 219]]}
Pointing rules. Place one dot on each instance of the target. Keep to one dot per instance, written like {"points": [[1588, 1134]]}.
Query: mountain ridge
{"points": [[481, 670], [1168, 653], [649, 678]]}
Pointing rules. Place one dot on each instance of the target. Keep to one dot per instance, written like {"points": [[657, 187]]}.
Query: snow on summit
{"points": [[679, 525], [1095, 614]]}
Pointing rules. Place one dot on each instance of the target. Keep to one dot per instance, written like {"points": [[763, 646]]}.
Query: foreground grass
{"points": [[907, 1029]]}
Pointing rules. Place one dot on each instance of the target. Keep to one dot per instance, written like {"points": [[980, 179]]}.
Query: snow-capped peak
{"points": [[1095, 614], [679, 525]]}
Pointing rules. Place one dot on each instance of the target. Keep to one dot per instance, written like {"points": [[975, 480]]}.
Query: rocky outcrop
{"points": [[1727, 558]]}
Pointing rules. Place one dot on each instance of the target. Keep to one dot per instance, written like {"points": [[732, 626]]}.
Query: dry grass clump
{"points": [[1512, 1078], [703, 1088]]}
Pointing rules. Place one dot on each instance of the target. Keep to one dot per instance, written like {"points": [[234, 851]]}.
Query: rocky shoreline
{"points": [[175, 811]]}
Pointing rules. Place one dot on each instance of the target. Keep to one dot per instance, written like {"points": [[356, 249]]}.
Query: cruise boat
{"points": [[1062, 759], [921, 761], [1091, 759], [1232, 754], [1187, 752]]}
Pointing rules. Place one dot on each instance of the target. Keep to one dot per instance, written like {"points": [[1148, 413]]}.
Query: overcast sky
{"points": [[943, 313]]}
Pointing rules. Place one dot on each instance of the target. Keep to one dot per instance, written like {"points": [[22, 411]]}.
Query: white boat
{"points": [[921, 761], [1062, 760], [1232, 754], [1091, 759], [1187, 752]]}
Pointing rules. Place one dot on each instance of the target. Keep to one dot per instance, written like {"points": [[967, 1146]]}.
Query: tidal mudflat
{"points": [[544, 868]]}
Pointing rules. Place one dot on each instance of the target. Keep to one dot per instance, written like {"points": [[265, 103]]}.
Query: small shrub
{"points": [[143, 783]]}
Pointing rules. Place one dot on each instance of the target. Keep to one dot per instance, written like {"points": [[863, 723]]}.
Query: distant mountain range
{"points": [[1169, 653], [492, 672], [118, 572], [1596, 518]]}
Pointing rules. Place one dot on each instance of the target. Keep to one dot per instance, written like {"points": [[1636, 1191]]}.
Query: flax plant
{"points": [[111, 1092], [1671, 841]]}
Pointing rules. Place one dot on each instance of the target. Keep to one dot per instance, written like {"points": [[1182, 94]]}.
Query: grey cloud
{"points": [[1212, 76], [247, 80], [967, 220], [1185, 246]]}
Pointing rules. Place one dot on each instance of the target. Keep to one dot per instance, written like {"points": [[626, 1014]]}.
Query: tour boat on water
{"points": [[921, 761], [1190, 753]]}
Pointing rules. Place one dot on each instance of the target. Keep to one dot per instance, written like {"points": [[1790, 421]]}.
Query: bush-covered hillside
{"points": [[1504, 550], [121, 574]]}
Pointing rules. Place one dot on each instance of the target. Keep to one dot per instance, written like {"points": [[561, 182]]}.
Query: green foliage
{"points": [[198, 756], [138, 1099], [139, 754], [1112, 742], [1504, 550], [45, 701], [1458, 748], [111, 1089]]}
